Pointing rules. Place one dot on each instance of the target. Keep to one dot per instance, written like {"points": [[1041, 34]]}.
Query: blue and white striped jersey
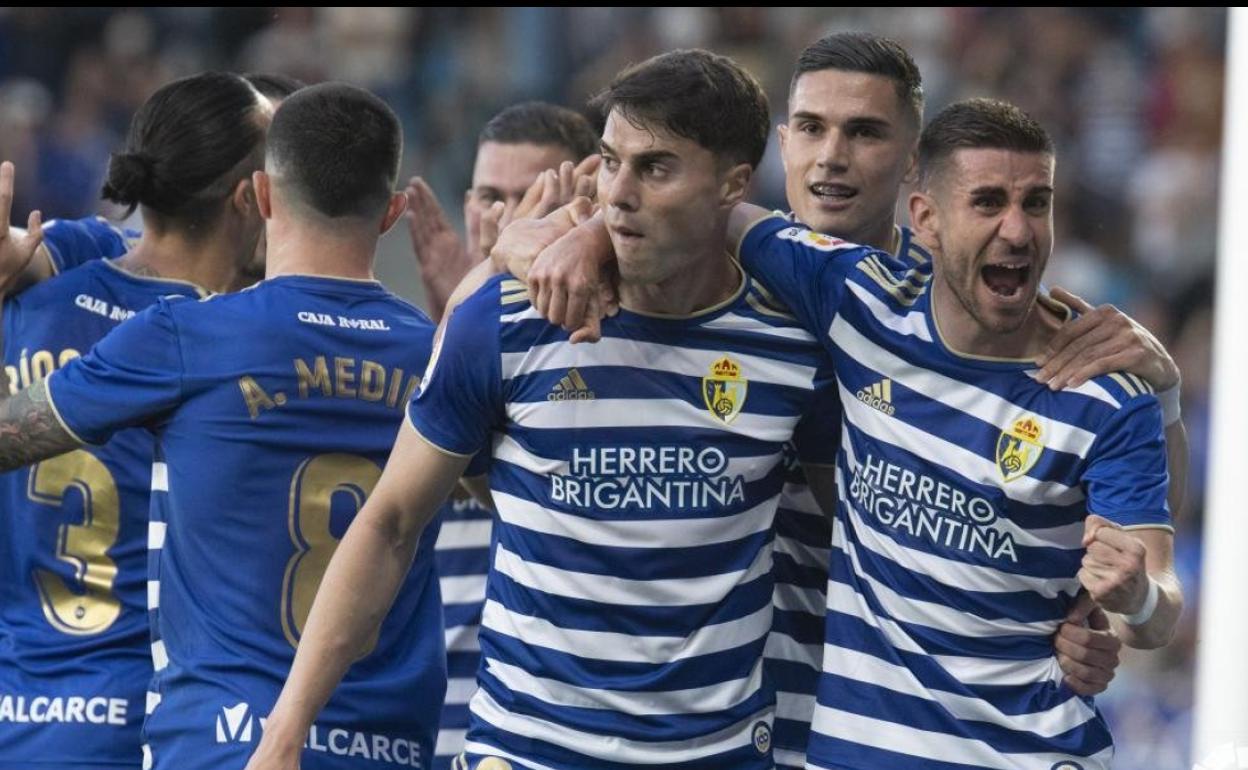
{"points": [[462, 557], [803, 536], [964, 484], [629, 599]]}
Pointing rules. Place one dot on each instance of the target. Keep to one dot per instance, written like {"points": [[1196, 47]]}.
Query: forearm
{"points": [[743, 217], [356, 593], [29, 429], [1157, 630]]}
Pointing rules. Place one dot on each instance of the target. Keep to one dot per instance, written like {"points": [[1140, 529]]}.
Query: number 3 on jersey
{"points": [[92, 608], [312, 490]]}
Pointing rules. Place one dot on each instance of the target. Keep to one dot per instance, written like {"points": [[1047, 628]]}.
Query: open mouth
{"points": [[832, 191], [1006, 280], [625, 232]]}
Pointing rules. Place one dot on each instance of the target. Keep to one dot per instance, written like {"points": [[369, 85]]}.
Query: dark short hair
{"points": [[541, 123], [989, 124], [869, 54], [337, 149], [697, 95], [188, 146], [274, 85]]}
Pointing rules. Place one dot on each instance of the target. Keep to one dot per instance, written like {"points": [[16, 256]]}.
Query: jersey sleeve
{"points": [[461, 395], [818, 434], [74, 242], [1126, 479], [804, 270], [132, 377]]}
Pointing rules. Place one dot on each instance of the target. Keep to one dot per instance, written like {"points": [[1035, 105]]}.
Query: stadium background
{"points": [[1132, 96]]}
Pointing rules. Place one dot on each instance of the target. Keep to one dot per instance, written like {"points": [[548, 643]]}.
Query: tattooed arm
{"points": [[29, 429]]}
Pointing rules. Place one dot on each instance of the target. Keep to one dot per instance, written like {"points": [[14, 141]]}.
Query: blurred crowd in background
{"points": [[1133, 98]]}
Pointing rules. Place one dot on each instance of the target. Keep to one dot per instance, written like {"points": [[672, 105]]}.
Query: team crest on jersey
{"points": [[1020, 447], [762, 738], [811, 238], [724, 389]]}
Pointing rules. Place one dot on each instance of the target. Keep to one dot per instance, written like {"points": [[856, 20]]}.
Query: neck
{"points": [[304, 248], [704, 283], [210, 262], [965, 335], [882, 237]]}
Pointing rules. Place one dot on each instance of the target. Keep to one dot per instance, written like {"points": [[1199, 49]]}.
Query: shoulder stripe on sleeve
{"points": [[1125, 384]]}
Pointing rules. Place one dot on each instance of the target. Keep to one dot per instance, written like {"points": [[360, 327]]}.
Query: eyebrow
{"points": [[999, 190], [857, 120], [651, 156]]}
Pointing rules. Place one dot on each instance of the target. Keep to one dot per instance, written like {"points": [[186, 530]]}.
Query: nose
{"points": [[834, 151], [1015, 227], [622, 191]]}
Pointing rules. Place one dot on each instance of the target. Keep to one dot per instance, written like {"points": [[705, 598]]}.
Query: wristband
{"points": [[1169, 400], [1146, 611]]}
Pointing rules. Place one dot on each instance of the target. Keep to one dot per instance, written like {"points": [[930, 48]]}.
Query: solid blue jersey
{"points": [[75, 242], [74, 661], [274, 410], [635, 480], [964, 484], [803, 536]]}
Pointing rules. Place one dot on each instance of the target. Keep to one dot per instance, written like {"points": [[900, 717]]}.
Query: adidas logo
{"points": [[879, 396], [571, 388]]}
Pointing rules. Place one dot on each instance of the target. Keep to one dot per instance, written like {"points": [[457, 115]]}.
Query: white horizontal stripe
{"points": [[528, 314], [608, 589], [486, 750], [450, 742], [153, 700], [506, 448], [911, 324], [970, 466], [740, 323], [459, 690], [798, 707], [937, 616], [957, 394], [153, 594], [627, 648], [965, 669], [463, 639], [786, 758], [645, 413], [804, 554], [464, 534], [614, 748], [1091, 388], [695, 700], [160, 477], [950, 572], [156, 535], [647, 533], [911, 741], [464, 589], [652, 356], [160, 658], [794, 598], [861, 667], [798, 497], [784, 647]]}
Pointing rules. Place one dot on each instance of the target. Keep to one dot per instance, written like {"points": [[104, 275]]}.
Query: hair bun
{"points": [[130, 176]]}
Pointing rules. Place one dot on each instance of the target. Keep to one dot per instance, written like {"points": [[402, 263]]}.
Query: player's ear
{"points": [[782, 130], [925, 217], [912, 165], [394, 210], [260, 184], [244, 196], [735, 183]]}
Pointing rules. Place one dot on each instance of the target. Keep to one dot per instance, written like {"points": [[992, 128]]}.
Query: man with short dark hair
{"points": [[273, 410], [514, 149], [976, 503], [634, 479]]}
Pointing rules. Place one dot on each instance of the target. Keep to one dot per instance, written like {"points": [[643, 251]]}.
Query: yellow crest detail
{"points": [[1020, 447], [724, 389]]}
